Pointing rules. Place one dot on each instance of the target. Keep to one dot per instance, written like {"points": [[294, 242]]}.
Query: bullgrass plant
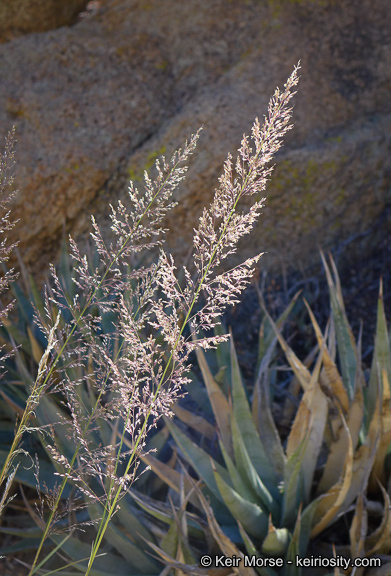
{"points": [[135, 372], [8, 276]]}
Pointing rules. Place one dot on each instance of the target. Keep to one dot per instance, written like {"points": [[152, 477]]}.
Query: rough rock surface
{"points": [[25, 16], [95, 103]]}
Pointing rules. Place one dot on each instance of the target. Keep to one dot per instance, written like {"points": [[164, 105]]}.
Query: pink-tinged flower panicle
{"points": [[222, 225], [138, 369]]}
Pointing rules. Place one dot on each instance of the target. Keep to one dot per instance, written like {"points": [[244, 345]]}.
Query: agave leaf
{"points": [[335, 460], [221, 377], [266, 332], [309, 424], [52, 553], [194, 421], [276, 541], [346, 345], [23, 372], [250, 476], [157, 509], [290, 407], [293, 493], [262, 339], [363, 461], [22, 546], [25, 532], [313, 400], [183, 552], [36, 348], [128, 517], [330, 503], [156, 444], [334, 379], [306, 520], [250, 516], [157, 483], [65, 271], [299, 369], [379, 541], [383, 570], [358, 530], [49, 413], [36, 297], [16, 407], [108, 321], [263, 418], [103, 565], [238, 481], [219, 402], [18, 337], [290, 567], [25, 309], [378, 469], [381, 358], [251, 439], [199, 394], [123, 543], [253, 552], [202, 463], [223, 356], [164, 513], [25, 473], [170, 476], [226, 545], [180, 567]]}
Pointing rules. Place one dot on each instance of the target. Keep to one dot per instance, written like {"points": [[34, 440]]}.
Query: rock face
{"points": [[25, 16], [95, 103]]}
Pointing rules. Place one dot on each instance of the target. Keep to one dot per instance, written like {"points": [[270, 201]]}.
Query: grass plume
{"points": [[134, 372]]}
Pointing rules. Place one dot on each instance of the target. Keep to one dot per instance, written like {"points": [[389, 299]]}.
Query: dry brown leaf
{"points": [[335, 461], [378, 470], [332, 501], [194, 421], [380, 540], [334, 379], [358, 530]]}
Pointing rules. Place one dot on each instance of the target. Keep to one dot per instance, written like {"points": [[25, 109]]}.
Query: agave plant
{"points": [[265, 499]]}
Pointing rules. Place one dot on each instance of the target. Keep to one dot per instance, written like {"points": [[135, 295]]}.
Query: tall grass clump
{"points": [[129, 376], [8, 276]]}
